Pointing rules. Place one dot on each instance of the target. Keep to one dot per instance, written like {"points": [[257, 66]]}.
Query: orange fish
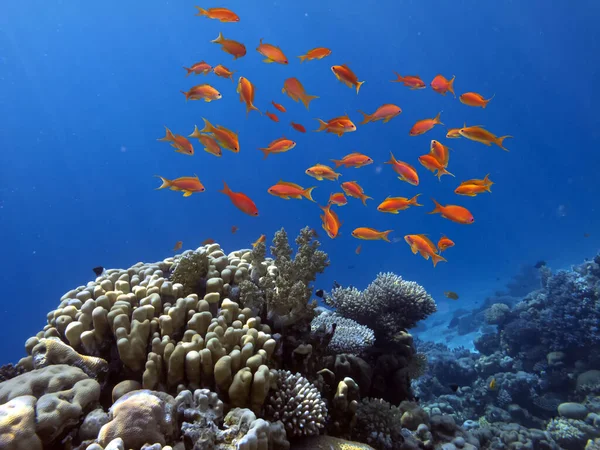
{"points": [[411, 81], [272, 116], [179, 142], [315, 53], [223, 72], [207, 241], [337, 125], [485, 182], [423, 126], [227, 138], [405, 171], [278, 146], [286, 190], [454, 213], [431, 163], [178, 245], [210, 145], [298, 127], [338, 199], [246, 90], [234, 229], [260, 240], [475, 99], [187, 185], [453, 133], [295, 90], [198, 68], [471, 190], [221, 14], [444, 244], [355, 160], [202, 92], [330, 221], [240, 201], [441, 85], [346, 76], [478, 134], [322, 172], [353, 189], [358, 249], [279, 107], [384, 112], [394, 204], [420, 243], [272, 53], [234, 48], [440, 152], [371, 234]]}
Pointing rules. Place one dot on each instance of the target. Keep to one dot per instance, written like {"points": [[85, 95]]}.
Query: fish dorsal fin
{"points": [[290, 184], [354, 154]]}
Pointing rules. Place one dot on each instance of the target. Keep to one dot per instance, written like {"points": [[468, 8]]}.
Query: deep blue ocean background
{"points": [[87, 88]]}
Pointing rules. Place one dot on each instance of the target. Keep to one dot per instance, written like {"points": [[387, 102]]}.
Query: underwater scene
{"points": [[300, 225]]}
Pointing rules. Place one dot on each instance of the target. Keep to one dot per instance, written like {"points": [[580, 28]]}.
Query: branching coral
{"points": [[190, 270], [349, 337], [388, 305]]}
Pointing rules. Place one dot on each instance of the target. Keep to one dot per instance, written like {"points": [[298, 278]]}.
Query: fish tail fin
{"points": [[358, 85], [437, 119], [208, 128], [488, 188], [219, 39], [451, 86], [186, 94], [251, 108], [414, 201], [201, 12], [168, 136], [488, 100], [364, 199], [307, 193], [443, 171], [322, 125], [436, 258], [225, 189], [437, 209], [499, 142], [306, 99], [400, 79], [265, 152], [189, 71], [385, 235], [196, 134], [165, 182], [337, 162], [487, 181], [302, 58], [366, 117], [392, 159]]}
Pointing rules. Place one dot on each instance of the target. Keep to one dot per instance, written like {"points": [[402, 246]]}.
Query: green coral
{"points": [[190, 271]]}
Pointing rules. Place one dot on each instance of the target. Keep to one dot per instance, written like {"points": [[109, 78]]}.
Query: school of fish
{"points": [[216, 138]]}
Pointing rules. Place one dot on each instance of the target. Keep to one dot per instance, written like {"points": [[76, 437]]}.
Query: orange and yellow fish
{"points": [[454, 213], [315, 53], [223, 72], [246, 90], [207, 241], [322, 172], [453, 133], [471, 190], [371, 234], [177, 246], [280, 145], [272, 53], [287, 190], [234, 48], [278, 106], [227, 138], [272, 116], [202, 92], [240, 200], [338, 199], [262, 238], [423, 126], [295, 90], [385, 112], [220, 14], [485, 182], [444, 244], [440, 152], [344, 74], [441, 85], [353, 189], [187, 185], [358, 249], [355, 160], [337, 125], [411, 81], [210, 144], [420, 243], [394, 204], [298, 127], [475, 99], [330, 221], [479, 134], [179, 142], [405, 171], [200, 68]]}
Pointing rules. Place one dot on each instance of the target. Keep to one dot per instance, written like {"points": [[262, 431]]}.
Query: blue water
{"points": [[86, 90]]}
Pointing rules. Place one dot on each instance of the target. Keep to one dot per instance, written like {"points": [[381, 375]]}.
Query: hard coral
{"points": [[349, 336], [190, 270]]}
